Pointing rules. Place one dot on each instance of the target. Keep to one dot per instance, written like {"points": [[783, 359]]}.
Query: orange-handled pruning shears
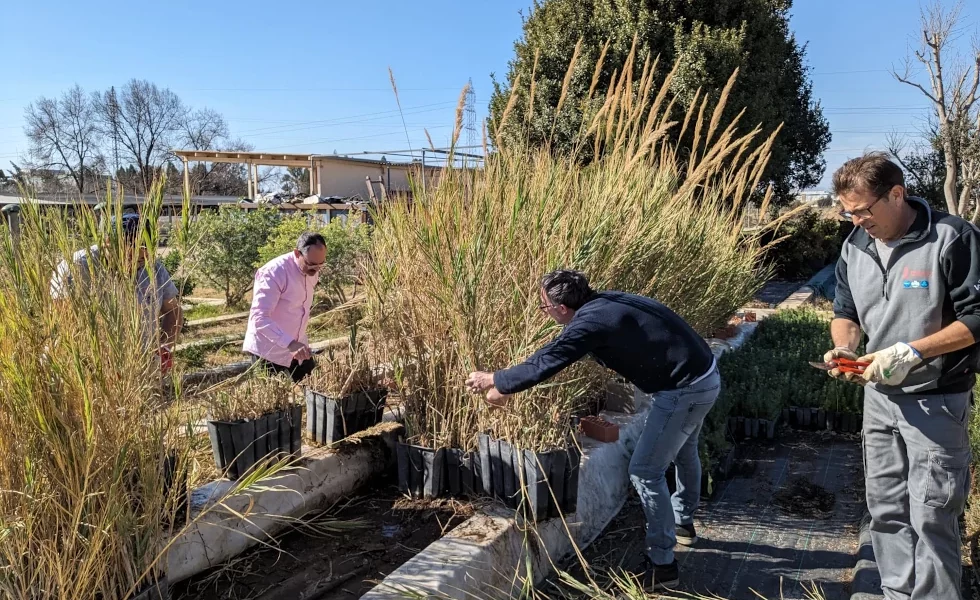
{"points": [[843, 365]]}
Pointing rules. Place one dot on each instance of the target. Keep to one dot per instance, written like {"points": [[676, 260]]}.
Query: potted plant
{"points": [[253, 423], [344, 395], [542, 483]]}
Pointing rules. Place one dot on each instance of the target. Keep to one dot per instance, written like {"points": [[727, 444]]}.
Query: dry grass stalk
{"points": [[454, 281], [337, 376], [250, 398], [84, 498]]}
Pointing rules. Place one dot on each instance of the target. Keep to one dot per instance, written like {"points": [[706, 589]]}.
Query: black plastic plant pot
{"points": [[172, 477], [421, 471], [157, 590], [329, 420], [546, 476], [240, 445], [463, 477]]}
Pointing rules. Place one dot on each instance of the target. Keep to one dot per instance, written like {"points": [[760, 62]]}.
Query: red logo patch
{"points": [[908, 273]]}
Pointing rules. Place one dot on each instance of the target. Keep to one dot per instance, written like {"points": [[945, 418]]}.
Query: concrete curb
{"points": [[216, 320], [489, 554], [866, 584], [210, 342], [802, 296], [324, 475]]}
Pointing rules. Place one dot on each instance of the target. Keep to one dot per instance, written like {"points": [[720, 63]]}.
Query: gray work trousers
{"points": [[917, 473]]}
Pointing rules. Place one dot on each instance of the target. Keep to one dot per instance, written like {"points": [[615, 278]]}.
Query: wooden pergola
{"points": [[254, 160]]}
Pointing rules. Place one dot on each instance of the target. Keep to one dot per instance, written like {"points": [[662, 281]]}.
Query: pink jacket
{"points": [[281, 299]]}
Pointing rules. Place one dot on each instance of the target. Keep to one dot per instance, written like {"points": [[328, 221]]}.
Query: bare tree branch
{"points": [[895, 144], [63, 134], [147, 121], [203, 130], [951, 96]]}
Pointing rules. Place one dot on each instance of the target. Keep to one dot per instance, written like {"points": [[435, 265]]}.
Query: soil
{"points": [[373, 534], [805, 499]]}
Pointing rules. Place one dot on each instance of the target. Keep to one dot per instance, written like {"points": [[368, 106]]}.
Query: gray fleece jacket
{"points": [[932, 279]]}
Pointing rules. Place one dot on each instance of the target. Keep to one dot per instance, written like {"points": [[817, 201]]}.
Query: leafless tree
{"points": [[203, 129], [226, 179], [146, 120], [64, 135], [952, 90]]}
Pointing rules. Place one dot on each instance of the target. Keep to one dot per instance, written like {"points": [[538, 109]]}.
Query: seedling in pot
{"points": [[344, 395], [253, 423]]}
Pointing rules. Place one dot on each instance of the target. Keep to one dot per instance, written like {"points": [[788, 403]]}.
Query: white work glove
{"points": [[892, 365], [843, 352]]}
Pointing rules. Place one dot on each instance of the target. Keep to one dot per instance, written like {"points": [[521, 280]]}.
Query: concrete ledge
{"points": [[209, 377], [804, 295], [216, 320], [488, 554], [221, 340], [323, 476]]}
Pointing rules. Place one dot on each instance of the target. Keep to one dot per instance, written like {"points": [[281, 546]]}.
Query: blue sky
{"points": [[313, 77]]}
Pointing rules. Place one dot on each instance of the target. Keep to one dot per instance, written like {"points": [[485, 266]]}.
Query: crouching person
{"points": [[671, 367]]}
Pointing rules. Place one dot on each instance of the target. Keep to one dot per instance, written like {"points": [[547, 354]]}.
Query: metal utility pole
{"points": [[470, 109], [12, 214]]}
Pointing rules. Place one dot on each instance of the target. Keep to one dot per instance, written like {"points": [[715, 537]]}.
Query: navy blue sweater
{"points": [[639, 338]]}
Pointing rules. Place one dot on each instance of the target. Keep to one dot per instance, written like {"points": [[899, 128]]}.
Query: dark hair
{"points": [[129, 223], [874, 172], [308, 240], [567, 287]]}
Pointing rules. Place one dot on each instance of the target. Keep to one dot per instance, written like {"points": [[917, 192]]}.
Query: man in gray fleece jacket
{"points": [[909, 278]]}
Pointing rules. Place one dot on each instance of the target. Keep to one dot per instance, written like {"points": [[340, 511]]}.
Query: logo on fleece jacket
{"points": [[915, 280]]}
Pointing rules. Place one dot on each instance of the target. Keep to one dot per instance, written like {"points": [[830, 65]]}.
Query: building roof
{"points": [[276, 159]]}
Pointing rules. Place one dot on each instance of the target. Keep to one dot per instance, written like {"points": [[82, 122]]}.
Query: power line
{"points": [[332, 120], [347, 139], [293, 89], [850, 72], [354, 122]]}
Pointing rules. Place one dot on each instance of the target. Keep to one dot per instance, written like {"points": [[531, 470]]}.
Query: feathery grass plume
{"points": [[454, 280], [95, 453], [394, 88], [458, 127], [564, 87]]}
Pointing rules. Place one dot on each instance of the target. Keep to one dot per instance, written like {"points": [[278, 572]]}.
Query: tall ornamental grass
{"points": [[455, 273], [89, 438]]}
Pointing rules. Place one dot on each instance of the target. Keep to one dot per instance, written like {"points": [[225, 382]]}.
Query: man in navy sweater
{"points": [[672, 368]]}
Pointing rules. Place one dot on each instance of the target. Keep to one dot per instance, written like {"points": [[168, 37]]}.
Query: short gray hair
{"points": [[308, 240]]}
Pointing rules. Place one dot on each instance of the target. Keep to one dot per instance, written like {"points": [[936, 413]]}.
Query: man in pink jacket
{"points": [[281, 300]]}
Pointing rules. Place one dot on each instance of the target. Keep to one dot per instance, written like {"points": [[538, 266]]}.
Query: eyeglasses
{"points": [[545, 307], [313, 265], [862, 213]]}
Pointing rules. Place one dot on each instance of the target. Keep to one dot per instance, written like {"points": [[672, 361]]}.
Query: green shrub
{"points": [[771, 372], [229, 248], [183, 280], [347, 244], [812, 243]]}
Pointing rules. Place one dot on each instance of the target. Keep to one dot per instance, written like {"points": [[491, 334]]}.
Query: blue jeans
{"points": [[671, 436]]}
